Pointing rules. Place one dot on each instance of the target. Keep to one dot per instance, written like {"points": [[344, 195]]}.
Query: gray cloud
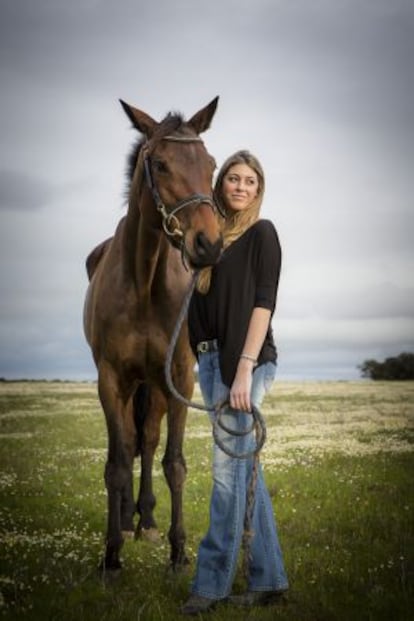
{"points": [[19, 190], [339, 300], [321, 91]]}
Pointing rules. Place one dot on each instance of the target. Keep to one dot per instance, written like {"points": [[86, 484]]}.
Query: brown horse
{"points": [[138, 279]]}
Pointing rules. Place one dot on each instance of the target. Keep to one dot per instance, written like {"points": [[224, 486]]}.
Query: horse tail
{"points": [[141, 402]]}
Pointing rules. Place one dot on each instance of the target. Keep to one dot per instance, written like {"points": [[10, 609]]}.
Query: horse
{"points": [[138, 279]]}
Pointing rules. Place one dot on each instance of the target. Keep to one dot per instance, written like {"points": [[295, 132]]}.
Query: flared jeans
{"points": [[219, 550]]}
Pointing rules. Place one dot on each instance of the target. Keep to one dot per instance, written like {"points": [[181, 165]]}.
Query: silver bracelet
{"points": [[251, 358]]}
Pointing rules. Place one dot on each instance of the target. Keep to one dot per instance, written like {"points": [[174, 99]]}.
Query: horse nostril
{"points": [[206, 252], [201, 244]]}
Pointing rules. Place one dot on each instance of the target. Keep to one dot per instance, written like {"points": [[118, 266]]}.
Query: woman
{"points": [[230, 333]]}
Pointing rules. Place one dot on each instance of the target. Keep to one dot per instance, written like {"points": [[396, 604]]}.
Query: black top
{"points": [[246, 276]]}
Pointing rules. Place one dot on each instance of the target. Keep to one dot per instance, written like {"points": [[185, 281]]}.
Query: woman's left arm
{"points": [[242, 384]]}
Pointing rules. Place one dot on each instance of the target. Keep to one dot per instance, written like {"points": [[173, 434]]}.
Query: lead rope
{"points": [[258, 425]]}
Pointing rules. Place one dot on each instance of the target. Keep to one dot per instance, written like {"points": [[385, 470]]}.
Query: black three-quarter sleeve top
{"points": [[247, 276]]}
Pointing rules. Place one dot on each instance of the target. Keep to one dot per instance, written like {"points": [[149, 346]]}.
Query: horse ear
{"points": [[140, 120], [202, 119]]}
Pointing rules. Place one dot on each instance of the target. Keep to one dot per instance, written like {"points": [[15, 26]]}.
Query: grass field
{"points": [[339, 464]]}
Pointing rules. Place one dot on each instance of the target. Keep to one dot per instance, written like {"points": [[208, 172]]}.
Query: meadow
{"points": [[339, 466]]}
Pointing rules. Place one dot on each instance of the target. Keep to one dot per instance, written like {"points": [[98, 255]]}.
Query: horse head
{"points": [[178, 197]]}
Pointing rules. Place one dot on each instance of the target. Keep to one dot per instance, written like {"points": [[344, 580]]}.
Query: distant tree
{"points": [[399, 367]]}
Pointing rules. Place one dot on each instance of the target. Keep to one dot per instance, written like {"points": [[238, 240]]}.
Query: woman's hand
{"points": [[242, 385]]}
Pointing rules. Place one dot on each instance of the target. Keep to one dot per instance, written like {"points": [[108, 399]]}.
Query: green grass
{"points": [[339, 466]]}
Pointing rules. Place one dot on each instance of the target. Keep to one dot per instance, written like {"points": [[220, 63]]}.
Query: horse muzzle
{"points": [[204, 252]]}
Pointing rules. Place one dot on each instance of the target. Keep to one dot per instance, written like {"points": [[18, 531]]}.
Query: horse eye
{"points": [[160, 166]]}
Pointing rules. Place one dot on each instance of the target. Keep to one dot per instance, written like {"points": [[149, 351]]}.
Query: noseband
{"points": [[170, 222]]}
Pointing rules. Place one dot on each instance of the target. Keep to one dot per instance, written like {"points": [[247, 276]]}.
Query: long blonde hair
{"points": [[235, 223]]}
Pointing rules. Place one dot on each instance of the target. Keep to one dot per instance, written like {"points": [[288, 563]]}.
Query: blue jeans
{"points": [[219, 550]]}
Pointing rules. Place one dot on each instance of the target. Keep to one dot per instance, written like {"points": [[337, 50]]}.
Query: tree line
{"points": [[399, 367]]}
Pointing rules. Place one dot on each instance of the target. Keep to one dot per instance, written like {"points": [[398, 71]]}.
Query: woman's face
{"points": [[240, 187]]}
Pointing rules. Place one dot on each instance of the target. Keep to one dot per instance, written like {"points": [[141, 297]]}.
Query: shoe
{"points": [[258, 598], [197, 604]]}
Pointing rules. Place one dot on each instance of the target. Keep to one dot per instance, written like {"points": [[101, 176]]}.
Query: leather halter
{"points": [[170, 222]]}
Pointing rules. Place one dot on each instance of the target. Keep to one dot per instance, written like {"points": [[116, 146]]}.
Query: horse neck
{"points": [[145, 247], [150, 263], [149, 251]]}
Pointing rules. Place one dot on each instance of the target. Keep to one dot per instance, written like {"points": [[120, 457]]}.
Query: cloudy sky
{"points": [[322, 91]]}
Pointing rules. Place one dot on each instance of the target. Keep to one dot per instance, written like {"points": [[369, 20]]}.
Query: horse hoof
{"points": [[109, 576], [109, 573], [128, 534], [149, 534], [179, 570], [180, 566]]}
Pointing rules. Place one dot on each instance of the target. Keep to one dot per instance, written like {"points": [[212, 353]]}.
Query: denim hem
{"points": [[214, 598], [268, 589]]}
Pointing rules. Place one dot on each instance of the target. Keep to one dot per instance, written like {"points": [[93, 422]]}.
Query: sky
{"points": [[321, 91]]}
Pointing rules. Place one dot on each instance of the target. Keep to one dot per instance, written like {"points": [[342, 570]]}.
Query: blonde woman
{"points": [[230, 331]]}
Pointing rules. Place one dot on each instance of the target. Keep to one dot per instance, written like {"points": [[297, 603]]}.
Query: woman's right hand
{"points": [[242, 386]]}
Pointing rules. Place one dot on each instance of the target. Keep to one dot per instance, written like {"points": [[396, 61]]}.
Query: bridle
{"points": [[170, 222]]}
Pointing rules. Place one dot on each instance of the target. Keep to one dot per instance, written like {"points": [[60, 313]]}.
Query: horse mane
{"points": [[171, 123]]}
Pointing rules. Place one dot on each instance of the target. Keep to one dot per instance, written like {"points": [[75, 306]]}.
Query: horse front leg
{"points": [[118, 468], [128, 507], [149, 407], [175, 471], [114, 538]]}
